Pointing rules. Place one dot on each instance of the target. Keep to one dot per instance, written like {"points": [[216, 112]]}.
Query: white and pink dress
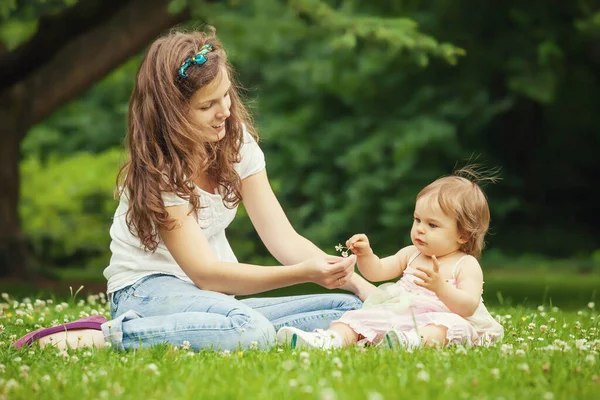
{"points": [[404, 306]]}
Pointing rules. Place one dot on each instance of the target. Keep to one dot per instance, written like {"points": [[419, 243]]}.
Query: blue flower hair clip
{"points": [[198, 59]]}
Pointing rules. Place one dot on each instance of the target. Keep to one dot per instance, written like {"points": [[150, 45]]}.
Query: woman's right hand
{"points": [[359, 245], [331, 272]]}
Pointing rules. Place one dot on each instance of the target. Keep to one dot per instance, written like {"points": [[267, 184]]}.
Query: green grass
{"points": [[547, 353]]}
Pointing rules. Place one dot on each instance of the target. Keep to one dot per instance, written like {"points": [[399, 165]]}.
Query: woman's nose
{"points": [[224, 112]]}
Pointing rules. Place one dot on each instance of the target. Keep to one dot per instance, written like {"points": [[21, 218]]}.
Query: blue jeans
{"points": [[164, 309]]}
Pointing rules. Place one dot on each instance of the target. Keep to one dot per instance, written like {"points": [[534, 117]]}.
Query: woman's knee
{"points": [[255, 330]]}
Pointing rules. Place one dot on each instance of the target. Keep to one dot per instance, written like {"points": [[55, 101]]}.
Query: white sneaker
{"points": [[402, 340], [299, 339]]}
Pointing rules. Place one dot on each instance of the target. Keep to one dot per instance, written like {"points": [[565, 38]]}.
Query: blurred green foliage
{"points": [[359, 105]]}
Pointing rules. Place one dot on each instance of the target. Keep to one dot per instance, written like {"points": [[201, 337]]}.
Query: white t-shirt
{"points": [[130, 262]]}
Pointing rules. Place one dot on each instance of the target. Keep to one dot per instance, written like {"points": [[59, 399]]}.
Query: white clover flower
{"points": [[336, 374], [495, 373], [226, 353], [344, 254], [548, 396], [520, 352], [186, 345], [17, 360], [304, 354], [449, 381], [154, 368], [577, 325], [540, 308], [254, 345], [523, 367], [5, 296], [543, 328], [337, 362], [374, 396], [423, 375], [45, 378], [19, 321], [288, 365], [327, 394], [2, 368], [190, 354], [532, 326], [307, 389], [590, 359], [293, 383], [11, 384]]}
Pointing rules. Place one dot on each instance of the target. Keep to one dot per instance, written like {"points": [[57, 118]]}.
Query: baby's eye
{"points": [[432, 225], [417, 220]]}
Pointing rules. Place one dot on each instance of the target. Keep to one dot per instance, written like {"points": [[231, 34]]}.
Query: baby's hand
{"points": [[359, 245], [430, 277]]}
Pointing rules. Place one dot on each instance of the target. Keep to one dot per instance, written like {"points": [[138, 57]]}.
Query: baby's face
{"points": [[434, 232]]}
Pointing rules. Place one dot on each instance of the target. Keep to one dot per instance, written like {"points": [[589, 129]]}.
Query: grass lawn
{"points": [[548, 353]]}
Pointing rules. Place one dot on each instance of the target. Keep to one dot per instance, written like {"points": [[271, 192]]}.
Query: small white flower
{"points": [[337, 362], [254, 345], [423, 376], [304, 354], [154, 368], [523, 367], [591, 305], [548, 396], [307, 389], [336, 374], [374, 396], [226, 353], [449, 381], [186, 345], [11, 384], [520, 352], [327, 394], [293, 383], [590, 359], [495, 373]]}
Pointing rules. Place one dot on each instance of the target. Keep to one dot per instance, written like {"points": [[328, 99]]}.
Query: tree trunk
{"points": [[77, 65], [13, 110]]}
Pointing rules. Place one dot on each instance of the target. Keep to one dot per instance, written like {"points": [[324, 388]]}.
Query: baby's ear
{"points": [[462, 238]]}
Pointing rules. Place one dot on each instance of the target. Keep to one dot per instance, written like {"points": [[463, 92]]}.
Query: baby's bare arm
{"points": [[465, 297]]}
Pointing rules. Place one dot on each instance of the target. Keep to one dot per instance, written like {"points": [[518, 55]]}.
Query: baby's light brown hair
{"points": [[461, 197]]}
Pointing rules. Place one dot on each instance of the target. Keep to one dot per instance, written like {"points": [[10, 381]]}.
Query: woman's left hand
{"points": [[430, 277]]}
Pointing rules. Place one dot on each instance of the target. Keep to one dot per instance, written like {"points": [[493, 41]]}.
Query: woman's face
{"points": [[210, 106]]}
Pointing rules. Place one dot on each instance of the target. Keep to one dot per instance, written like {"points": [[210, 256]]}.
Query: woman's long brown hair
{"points": [[167, 148]]}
